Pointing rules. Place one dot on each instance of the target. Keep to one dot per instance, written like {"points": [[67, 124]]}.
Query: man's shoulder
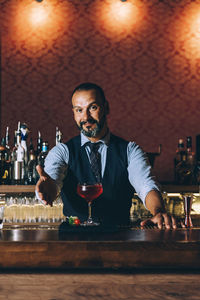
{"points": [[117, 139], [73, 140]]}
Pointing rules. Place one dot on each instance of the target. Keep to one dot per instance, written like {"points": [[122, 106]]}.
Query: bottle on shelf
{"points": [[18, 156], [185, 167], [3, 169], [6, 177], [39, 144], [31, 167], [197, 165], [189, 151], [179, 157], [191, 161], [7, 140], [24, 135], [43, 154], [58, 136]]}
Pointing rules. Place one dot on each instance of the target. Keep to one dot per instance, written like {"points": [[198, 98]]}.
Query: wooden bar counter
{"points": [[47, 247], [45, 263]]}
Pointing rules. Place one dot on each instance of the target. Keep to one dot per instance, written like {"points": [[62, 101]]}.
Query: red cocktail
{"points": [[89, 192]]}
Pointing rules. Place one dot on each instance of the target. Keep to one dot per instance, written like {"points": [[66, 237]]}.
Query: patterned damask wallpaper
{"points": [[144, 53]]}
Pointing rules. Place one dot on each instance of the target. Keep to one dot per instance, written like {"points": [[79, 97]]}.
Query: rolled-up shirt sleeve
{"points": [[56, 163], [140, 172]]}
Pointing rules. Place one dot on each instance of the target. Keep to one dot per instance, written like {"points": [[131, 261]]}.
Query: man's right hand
{"points": [[46, 187]]}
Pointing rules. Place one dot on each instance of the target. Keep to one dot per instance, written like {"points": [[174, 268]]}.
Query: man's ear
{"points": [[107, 108]]}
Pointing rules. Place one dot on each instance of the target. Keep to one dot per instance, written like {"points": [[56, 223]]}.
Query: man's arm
{"points": [[46, 188], [142, 179], [51, 177], [155, 204]]}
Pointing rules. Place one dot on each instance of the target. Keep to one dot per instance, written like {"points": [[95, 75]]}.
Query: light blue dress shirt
{"points": [[139, 170]]}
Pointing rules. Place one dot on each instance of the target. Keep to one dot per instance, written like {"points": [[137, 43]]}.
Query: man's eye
{"points": [[78, 110], [93, 107]]}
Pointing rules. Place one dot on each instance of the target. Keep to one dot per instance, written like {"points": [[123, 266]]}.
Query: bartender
{"points": [[123, 168]]}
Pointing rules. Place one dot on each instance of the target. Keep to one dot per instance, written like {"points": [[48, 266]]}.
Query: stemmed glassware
{"points": [[187, 200], [89, 191]]}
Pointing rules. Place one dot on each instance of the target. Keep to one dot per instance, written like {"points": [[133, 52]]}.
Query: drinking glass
{"points": [[187, 200], [2, 208], [89, 192]]}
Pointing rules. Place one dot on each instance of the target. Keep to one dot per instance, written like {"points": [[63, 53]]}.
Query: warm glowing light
{"points": [[34, 14], [195, 25], [35, 26], [118, 17], [39, 15], [123, 13], [187, 32]]}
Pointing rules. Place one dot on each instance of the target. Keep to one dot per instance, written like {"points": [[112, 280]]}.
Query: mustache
{"points": [[91, 120]]}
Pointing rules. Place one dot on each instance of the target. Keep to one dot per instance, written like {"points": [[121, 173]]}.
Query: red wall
{"points": [[148, 65]]}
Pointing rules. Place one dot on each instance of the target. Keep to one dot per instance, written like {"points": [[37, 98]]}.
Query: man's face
{"points": [[89, 112]]}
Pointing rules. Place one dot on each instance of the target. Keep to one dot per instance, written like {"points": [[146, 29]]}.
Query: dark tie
{"points": [[95, 160]]}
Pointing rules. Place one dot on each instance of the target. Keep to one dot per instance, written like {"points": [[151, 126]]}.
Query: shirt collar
{"points": [[105, 140]]}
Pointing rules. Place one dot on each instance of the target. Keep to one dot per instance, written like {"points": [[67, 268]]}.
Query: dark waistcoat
{"points": [[113, 206]]}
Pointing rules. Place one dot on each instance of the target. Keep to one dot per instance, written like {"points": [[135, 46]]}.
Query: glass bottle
{"points": [[2, 163], [43, 154], [31, 168], [58, 136], [39, 144], [179, 157], [18, 157], [197, 164], [185, 169]]}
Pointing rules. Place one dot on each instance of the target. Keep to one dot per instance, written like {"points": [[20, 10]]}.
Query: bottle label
{"points": [[44, 148]]}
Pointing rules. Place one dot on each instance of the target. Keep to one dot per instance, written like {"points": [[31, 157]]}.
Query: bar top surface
{"points": [[123, 249], [126, 235]]}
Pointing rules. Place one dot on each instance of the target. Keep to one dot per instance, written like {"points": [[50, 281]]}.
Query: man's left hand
{"points": [[162, 220]]}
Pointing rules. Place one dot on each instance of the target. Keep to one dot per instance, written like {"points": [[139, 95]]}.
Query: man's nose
{"points": [[86, 115]]}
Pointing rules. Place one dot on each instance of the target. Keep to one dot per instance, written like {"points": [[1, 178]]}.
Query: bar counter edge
{"points": [[146, 248]]}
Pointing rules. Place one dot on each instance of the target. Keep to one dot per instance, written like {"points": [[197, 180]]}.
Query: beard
{"points": [[95, 131]]}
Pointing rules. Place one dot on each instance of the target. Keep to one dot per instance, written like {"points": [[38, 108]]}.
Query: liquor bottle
{"points": [[197, 165], [185, 168], [189, 152], [58, 136], [43, 154], [5, 163], [2, 162], [18, 160], [190, 161], [7, 142], [39, 144], [179, 156], [31, 168], [24, 135], [8, 159]]}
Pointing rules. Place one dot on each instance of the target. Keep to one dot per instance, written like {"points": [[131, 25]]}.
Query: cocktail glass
{"points": [[89, 192], [187, 200]]}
